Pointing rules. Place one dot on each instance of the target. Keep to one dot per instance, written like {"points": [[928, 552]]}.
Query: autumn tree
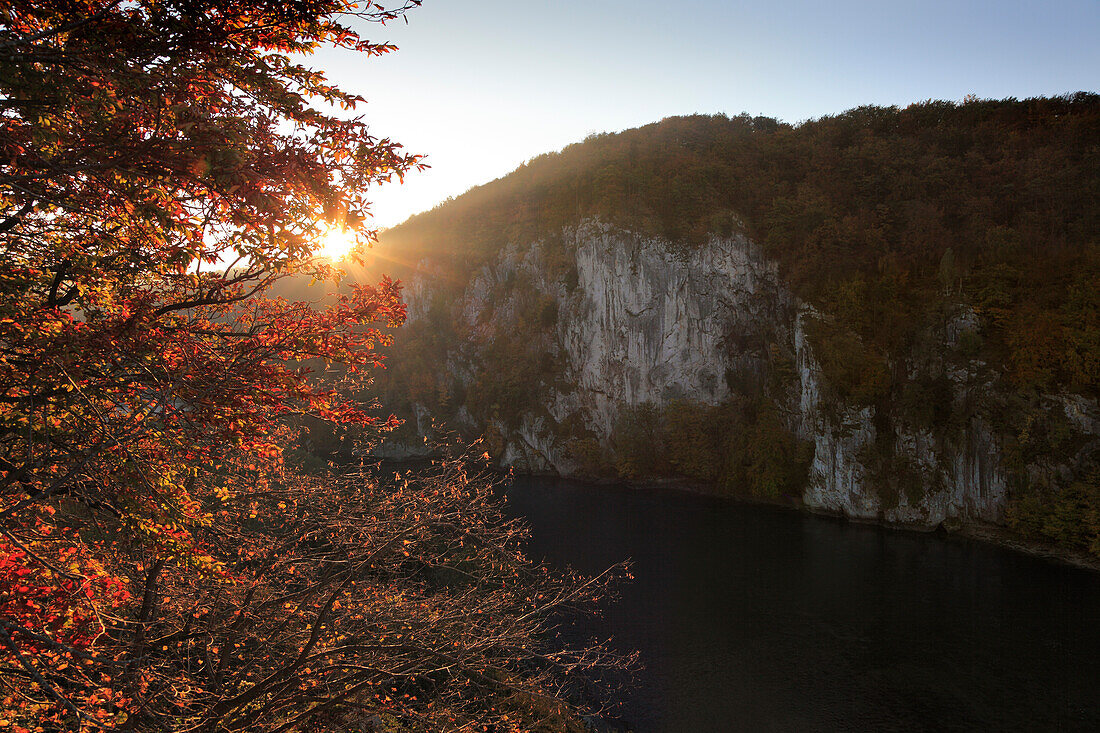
{"points": [[163, 164]]}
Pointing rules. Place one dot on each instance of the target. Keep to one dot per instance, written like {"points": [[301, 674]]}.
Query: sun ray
{"points": [[336, 243]]}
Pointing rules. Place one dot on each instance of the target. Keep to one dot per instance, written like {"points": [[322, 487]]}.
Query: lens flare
{"points": [[337, 243]]}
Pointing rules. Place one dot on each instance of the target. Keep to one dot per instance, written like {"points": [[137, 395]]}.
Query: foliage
{"points": [[1069, 516], [637, 442], [875, 214], [758, 454], [160, 567], [691, 439], [742, 446], [858, 374], [1055, 475], [928, 401], [512, 336]]}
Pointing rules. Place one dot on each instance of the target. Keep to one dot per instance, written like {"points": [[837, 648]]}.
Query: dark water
{"points": [[753, 618]]}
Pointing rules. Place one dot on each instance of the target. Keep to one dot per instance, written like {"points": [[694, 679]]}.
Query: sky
{"points": [[480, 86]]}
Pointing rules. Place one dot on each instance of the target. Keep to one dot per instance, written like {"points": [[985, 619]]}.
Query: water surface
{"points": [[752, 618]]}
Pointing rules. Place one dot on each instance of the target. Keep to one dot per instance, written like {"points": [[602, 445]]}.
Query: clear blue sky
{"points": [[482, 85]]}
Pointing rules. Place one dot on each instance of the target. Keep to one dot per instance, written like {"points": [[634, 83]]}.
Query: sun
{"points": [[336, 243]]}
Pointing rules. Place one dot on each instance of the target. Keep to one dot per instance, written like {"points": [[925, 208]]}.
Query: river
{"points": [[754, 618]]}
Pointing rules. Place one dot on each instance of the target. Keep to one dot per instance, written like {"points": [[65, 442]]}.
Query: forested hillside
{"points": [[889, 222], [876, 214]]}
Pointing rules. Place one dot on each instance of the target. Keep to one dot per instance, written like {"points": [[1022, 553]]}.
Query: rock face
{"points": [[964, 480], [639, 321], [650, 325]]}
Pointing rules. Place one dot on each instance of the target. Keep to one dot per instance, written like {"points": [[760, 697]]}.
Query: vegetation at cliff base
{"points": [[740, 447]]}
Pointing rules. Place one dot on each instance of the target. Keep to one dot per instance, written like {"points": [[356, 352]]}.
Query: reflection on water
{"points": [[753, 618]]}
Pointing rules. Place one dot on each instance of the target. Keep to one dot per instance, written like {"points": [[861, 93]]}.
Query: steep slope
{"points": [[900, 321]]}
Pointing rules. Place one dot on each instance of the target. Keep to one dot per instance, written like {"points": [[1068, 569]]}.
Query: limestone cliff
{"points": [[617, 320]]}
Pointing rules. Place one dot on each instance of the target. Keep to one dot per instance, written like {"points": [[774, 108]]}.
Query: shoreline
{"points": [[991, 534]]}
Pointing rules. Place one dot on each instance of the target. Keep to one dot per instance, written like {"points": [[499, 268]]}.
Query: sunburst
{"points": [[337, 243]]}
